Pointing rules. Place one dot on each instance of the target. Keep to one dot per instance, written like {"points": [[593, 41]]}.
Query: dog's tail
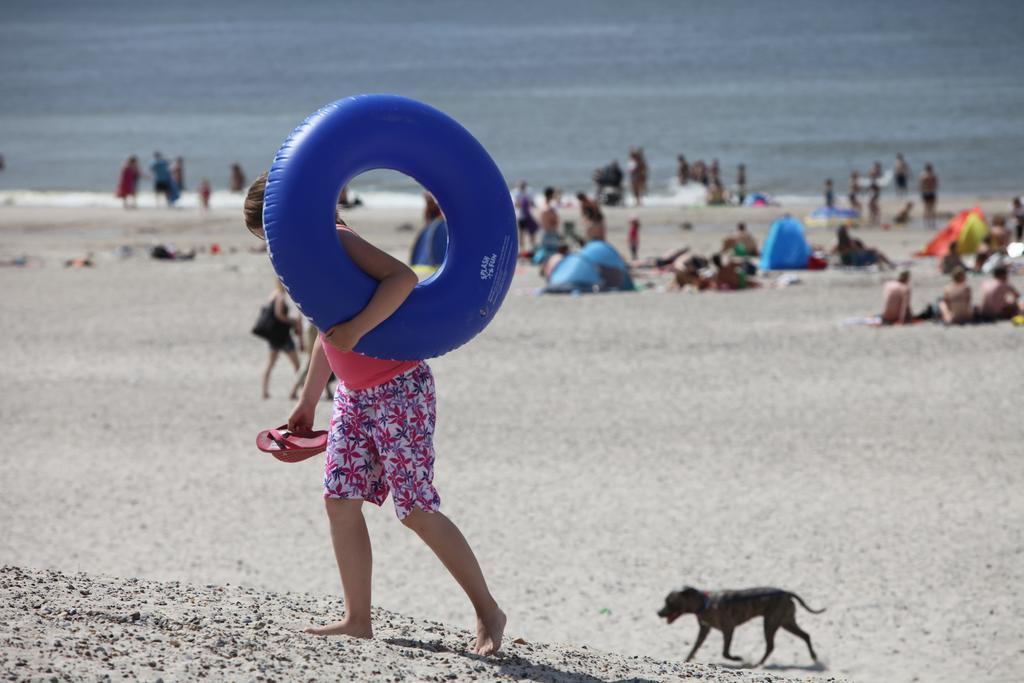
{"points": [[804, 604]]}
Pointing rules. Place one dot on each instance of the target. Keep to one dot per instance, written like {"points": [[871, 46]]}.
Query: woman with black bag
{"points": [[274, 325]]}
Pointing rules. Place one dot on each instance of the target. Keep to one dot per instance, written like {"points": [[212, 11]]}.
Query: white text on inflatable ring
{"points": [[487, 266]]}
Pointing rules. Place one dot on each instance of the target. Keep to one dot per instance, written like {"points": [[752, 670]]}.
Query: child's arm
{"points": [[396, 280], [319, 372]]}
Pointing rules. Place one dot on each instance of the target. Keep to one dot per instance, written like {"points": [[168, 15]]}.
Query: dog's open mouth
{"points": [[669, 616]]}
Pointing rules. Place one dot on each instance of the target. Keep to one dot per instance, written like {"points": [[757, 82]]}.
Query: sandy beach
{"points": [[598, 451]]}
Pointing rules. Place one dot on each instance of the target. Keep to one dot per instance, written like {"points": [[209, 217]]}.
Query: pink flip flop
{"points": [[289, 446]]}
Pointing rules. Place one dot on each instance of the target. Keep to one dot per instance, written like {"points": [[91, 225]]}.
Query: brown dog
{"points": [[725, 610]]}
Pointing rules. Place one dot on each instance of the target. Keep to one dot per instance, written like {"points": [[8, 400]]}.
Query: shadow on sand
{"points": [[817, 666], [511, 665]]}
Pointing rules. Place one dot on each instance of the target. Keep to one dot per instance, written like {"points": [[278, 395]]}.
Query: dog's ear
{"points": [[690, 590]]}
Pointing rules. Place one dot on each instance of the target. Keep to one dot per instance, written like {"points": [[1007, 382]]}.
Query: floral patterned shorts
{"points": [[382, 441]]}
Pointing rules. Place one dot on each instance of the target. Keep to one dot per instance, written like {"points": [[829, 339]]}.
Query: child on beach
{"points": [[279, 334], [127, 186], [380, 442], [634, 236], [204, 194]]}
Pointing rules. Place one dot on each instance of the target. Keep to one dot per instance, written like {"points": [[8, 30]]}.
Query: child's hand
{"points": [[301, 419], [343, 337]]}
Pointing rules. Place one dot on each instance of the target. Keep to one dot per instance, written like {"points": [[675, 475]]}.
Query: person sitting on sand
{"points": [[740, 243], [903, 217], [896, 300], [999, 233], [983, 253], [380, 443], [950, 261], [852, 252], [955, 304], [716, 192], [999, 299]]}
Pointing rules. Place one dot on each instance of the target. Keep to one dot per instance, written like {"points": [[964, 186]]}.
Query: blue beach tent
{"points": [[597, 267], [431, 245], [786, 247]]}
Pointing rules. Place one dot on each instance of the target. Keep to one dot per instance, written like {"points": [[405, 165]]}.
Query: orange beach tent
{"points": [[968, 228]]}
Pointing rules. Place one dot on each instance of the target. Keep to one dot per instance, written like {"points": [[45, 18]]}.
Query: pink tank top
{"points": [[357, 371]]}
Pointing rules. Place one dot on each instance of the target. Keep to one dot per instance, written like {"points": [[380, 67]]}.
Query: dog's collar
{"points": [[707, 602]]}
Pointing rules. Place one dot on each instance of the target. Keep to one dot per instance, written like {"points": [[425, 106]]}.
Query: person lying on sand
{"points": [[80, 262], [731, 275], [853, 252], [955, 304], [664, 261], [999, 299], [689, 270]]}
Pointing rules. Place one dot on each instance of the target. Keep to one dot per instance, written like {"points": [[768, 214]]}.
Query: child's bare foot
{"points": [[342, 628], [489, 631]]}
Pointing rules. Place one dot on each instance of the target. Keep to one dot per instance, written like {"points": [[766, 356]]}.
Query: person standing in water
{"points": [[204, 194], [928, 183], [163, 182], [830, 195], [236, 182], [638, 174], [178, 173], [741, 182], [682, 170], [901, 174]]}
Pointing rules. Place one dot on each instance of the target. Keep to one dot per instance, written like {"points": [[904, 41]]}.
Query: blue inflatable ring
{"points": [[366, 132]]}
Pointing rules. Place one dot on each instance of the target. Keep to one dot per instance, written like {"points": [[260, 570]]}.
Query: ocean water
{"points": [[797, 90]]}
